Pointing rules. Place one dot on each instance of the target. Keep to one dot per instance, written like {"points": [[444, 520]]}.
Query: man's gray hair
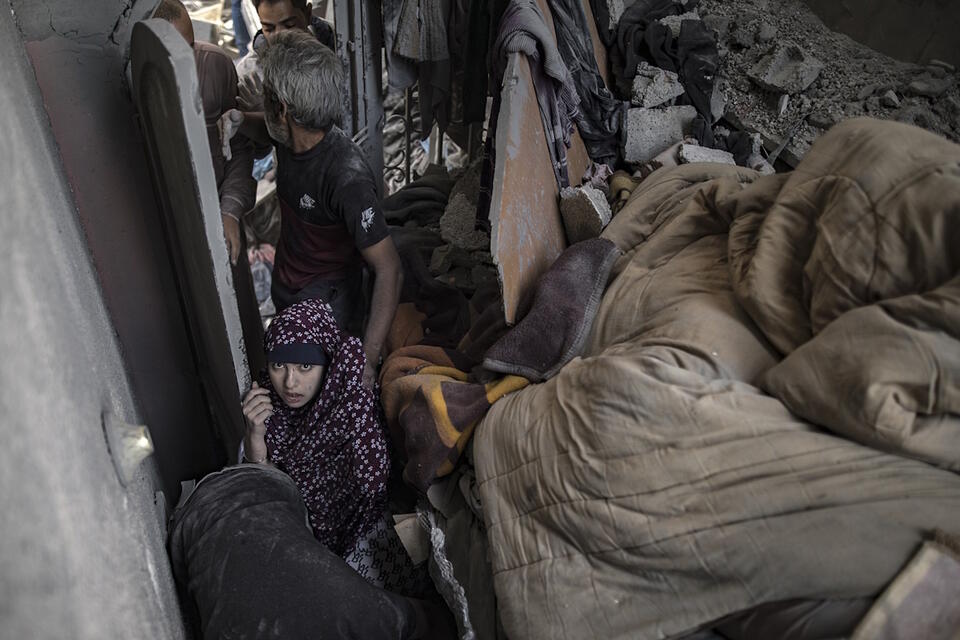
{"points": [[306, 76]]}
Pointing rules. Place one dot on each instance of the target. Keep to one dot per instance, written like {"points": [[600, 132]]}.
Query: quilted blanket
{"points": [[766, 408]]}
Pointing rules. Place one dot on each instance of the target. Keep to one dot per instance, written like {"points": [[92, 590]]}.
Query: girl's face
{"points": [[297, 384]]}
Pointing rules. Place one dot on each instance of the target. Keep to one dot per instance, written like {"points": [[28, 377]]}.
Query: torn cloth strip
{"points": [[600, 112], [523, 29]]}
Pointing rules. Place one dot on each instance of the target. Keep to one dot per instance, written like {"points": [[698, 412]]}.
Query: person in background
{"points": [[241, 37], [277, 16], [218, 91], [331, 222]]}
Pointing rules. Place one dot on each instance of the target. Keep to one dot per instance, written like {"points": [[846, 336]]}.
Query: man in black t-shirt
{"points": [[331, 222]]}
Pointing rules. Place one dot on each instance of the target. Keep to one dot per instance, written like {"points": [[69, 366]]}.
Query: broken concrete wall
{"points": [[81, 555], [76, 52], [909, 30]]}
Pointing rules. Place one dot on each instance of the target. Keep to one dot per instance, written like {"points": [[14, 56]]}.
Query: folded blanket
{"points": [[565, 302], [432, 408]]}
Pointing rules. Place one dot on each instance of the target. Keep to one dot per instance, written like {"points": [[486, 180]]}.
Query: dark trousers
{"points": [[346, 297]]}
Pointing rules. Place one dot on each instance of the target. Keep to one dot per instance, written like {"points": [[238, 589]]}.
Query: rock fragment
{"points": [[890, 99], [675, 22], [457, 225], [653, 86], [930, 87], [690, 153], [585, 212], [766, 32], [650, 131], [786, 69]]}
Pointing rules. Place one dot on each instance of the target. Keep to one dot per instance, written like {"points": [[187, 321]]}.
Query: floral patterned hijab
{"points": [[334, 447]]}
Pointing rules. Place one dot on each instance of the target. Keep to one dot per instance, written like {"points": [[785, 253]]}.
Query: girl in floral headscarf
{"points": [[312, 417]]}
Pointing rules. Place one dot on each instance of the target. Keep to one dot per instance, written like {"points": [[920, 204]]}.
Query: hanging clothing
{"points": [[523, 29], [600, 112], [334, 448]]}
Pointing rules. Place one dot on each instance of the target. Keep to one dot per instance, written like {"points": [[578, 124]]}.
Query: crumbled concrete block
{"points": [[690, 153], [650, 131], [890, 99], [786, 69], [675, 22], [653, 86], [447, 256], [585, 212], [936, 72], [766, 32], [457, 225], [930, 87]]}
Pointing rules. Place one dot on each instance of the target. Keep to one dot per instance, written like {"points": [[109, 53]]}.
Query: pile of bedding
{"points": [[767, 407]]}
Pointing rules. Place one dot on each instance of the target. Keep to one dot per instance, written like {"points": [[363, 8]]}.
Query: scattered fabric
{"points": [[601, 114], [224, 543], [433, 312], [553, 332], [334, 448], [598, 176], [432, 408], [382, 560], [693, 55], [523, 30]]}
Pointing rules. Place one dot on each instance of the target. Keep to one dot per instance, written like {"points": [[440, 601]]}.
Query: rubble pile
{"points": [[788, 77]]}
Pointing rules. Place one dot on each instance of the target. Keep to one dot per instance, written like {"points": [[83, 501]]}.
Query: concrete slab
{"points": [[650, 131], [167, 94]]}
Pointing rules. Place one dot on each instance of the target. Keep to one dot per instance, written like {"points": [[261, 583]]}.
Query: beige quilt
{"points": [[767, 407]]}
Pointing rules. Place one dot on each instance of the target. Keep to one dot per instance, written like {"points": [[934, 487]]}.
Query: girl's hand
{"points": [[256, 409]]}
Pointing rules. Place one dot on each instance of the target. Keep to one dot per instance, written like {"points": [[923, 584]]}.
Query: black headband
{"points": [[298, 354]]}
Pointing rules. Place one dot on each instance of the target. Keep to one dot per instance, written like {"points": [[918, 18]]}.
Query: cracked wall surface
{"points": [[81, 556]]}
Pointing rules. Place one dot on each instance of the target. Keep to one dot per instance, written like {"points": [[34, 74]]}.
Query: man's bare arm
{"points": [[385, 263]]}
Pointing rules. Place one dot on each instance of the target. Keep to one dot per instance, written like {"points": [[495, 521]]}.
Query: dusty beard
{"points": [[277, 129]]}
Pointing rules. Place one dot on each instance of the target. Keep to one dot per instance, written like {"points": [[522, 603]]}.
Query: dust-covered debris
{"points": [[854, 80], [650, 131], [585, 212]]}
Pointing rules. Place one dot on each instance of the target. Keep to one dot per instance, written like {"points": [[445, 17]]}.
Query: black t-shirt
{"points": [[329, 206]]}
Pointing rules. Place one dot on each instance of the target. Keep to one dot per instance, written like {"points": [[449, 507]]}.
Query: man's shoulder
{"points": [[351, 165], [212, 51]]}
